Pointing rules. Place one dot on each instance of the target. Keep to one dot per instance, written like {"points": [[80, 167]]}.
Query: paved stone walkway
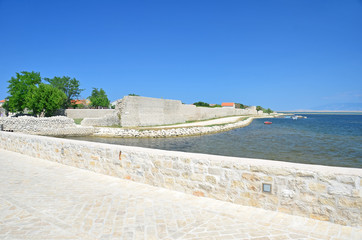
{"points": [[40, 199]]}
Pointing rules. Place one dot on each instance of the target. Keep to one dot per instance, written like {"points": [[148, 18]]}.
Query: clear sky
{"points": [[285, 55]]}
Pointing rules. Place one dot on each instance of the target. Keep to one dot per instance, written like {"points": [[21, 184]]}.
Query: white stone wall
{"points": [[144, 111], [134, 111], [106, 121], [319, 192], [52, 126], [87, 113]]}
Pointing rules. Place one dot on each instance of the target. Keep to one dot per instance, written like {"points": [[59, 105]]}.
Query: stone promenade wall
{"points": [[88, 113], [320, 192]]}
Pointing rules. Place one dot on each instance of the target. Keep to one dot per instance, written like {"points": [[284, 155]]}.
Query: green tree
{"points": [[99, 98], [242, 106], [201, 104], [19, 87], [45, 99], [70, 86], [132, 94], [267, 111], [258, 108]]}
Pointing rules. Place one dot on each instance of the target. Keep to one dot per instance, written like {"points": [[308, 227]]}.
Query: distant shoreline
{"points": [[321, 111], [313, 111]]}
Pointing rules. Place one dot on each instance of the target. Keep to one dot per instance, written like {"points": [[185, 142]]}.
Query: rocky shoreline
{"points": [[63, 127], [171, 132]]}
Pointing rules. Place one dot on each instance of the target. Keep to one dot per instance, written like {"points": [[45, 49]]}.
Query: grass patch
{"points": [[78, 120]]}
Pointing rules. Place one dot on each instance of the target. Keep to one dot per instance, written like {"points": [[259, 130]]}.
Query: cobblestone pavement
{"points": [[40, 199]]}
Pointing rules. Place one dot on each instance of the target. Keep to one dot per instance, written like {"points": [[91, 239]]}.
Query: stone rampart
{"points": [[52, 126], [87, 113], [106, 121], [145, 111], [134, 111], [320, 192]]}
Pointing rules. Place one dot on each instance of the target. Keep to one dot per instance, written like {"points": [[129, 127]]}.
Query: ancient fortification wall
{"points": [[88, 113], [320, 192], [52, 126], [143, 111]]}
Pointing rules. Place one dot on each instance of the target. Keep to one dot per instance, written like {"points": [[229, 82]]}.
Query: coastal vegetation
{"points": [[70, 86], [31, 94], [242, 106], [268, 110], [99, 98], [44, 100], [204, 104], [28, 92], [201, 104]]}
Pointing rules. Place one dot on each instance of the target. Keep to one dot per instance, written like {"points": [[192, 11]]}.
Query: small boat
{"points": [[266, 122], [295, 117]]}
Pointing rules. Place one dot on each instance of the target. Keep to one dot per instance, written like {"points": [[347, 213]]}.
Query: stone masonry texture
{"points": [[319, 192], [49, 126], [134, 111], [41, 199], [88, 113]]}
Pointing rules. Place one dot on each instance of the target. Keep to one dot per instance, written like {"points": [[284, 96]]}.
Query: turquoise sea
{"points": [[323, 139]]}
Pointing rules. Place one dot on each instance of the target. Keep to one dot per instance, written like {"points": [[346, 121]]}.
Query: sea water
{"points": [[323, 139]]}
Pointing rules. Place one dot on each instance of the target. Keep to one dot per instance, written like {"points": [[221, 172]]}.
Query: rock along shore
{"points": [[169, 132]]}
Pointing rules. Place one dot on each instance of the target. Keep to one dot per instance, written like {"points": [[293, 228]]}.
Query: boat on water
{"points": [[267, 122], [295, 117]]}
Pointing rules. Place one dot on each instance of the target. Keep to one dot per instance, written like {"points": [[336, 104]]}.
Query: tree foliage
{"points": [[99, 98], [242, 106], [132, 94], [19, 87], [267, 111], [70, 86], [28, 92], [201, 104], [259, 108], [45, 99]]}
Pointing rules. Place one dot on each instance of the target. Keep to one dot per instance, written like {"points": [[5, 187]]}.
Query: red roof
{"points": [[227, 104], [2, 101], [77, 101]]}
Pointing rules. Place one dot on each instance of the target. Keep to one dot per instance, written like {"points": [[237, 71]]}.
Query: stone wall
{"points": [[52, 126], [145, 111], [106, 121], [193, 113], [87, 113], [2, 112], [320, 192], [136, 111]]}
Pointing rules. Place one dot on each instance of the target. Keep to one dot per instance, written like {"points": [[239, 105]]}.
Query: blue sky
{"points": [[285, 55]]}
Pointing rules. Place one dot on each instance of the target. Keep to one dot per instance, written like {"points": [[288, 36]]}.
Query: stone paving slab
{"points": [[40, 199]]}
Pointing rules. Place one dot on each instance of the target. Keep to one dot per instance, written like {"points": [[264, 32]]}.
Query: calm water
{"points": [[334, 140]]}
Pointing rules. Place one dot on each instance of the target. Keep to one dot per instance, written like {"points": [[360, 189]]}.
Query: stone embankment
{"points": [[52, 126], [63, 126], [171, 132], [320, 192]]}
